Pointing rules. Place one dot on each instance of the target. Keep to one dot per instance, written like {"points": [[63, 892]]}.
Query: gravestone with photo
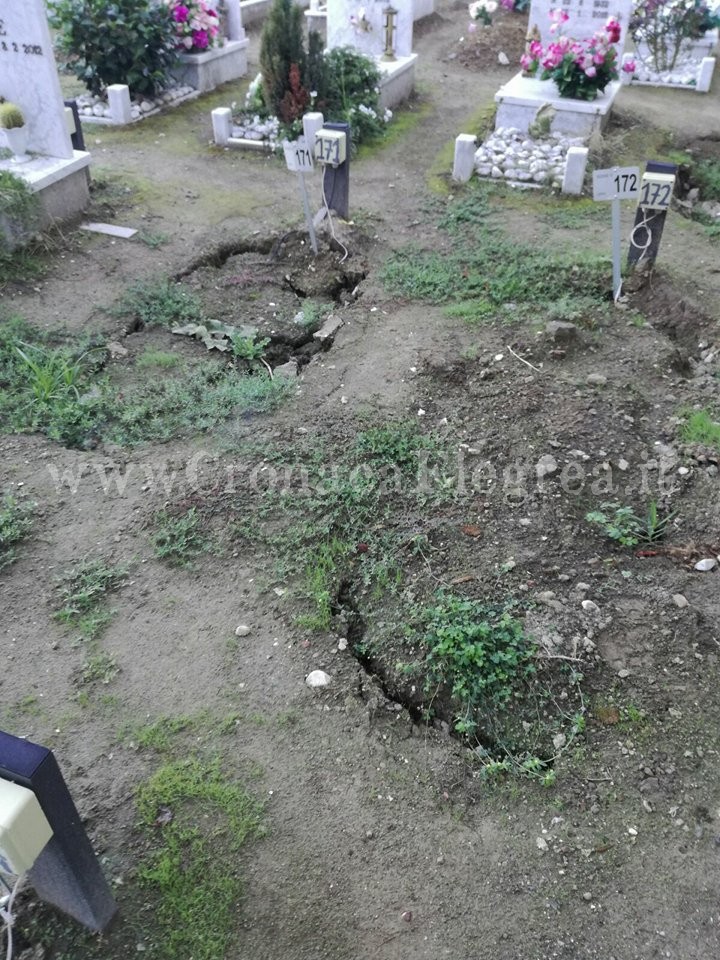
{"points": [[29, 78], [522, 99], [383, 32]]}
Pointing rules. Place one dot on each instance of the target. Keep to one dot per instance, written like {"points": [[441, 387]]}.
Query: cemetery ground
{"points": [[187, 539]]}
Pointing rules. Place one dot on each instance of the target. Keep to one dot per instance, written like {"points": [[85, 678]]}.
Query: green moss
{"points": [[197, 820]]}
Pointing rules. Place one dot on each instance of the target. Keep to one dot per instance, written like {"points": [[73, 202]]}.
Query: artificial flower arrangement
{"points": [[581, 69], [360, 22], [482, 10], [666, 26], [197, 25]]}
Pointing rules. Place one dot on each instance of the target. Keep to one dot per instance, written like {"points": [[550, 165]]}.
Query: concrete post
{"points": [[222, 125], [574, 175], [119, 102], [464, 163], [707, 65]]}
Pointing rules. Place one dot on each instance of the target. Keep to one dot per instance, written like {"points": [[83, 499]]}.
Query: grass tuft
{"points": [[701, 428]]}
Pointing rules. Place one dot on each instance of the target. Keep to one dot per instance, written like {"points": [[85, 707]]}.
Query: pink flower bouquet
{"points": [[580, 68], [197, 25]]}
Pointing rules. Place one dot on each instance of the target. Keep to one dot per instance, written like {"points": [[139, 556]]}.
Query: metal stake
{"points": [[308, 215], [616, 244]]}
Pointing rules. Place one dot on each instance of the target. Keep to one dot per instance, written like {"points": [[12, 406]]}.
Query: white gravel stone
{"points": [[318, 678]]}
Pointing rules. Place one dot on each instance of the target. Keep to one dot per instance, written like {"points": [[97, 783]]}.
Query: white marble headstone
{"points": [[342, 32], [29, 78], [586, 17]]}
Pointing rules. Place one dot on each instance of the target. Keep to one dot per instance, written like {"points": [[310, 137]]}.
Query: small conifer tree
{"points": [[281, 46], [316, 74]]}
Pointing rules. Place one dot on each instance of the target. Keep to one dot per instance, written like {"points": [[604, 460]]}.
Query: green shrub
{"points": [[281, 47], [127, 41], [353, 93]]}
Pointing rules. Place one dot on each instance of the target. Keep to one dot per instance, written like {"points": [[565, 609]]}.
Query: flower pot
{"points": [[17, 140]]}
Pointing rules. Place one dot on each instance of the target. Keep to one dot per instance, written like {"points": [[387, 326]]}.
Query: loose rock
{"points": [[318, 678]]}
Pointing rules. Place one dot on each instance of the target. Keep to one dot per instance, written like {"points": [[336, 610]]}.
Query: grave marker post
{"points": [[616, 184], [336, 180], [67, 873], [650, 221]]}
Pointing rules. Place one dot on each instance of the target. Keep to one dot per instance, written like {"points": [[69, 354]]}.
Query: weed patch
{"points": [[99, 668], [15, 524], [158, 303], [178, 539], [197, 822], [48, 389], [503, 695], [82, 594], [497, 272], [197, 399], [622, 524], [343, 522]]}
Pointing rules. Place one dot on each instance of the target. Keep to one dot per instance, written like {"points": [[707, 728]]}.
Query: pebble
{"points": [[546, 465], [587, 896], [590, 606], [596, 380], [704, 565], [679, 600], [541, 844], [503, 58], [318, 678], [623, 674], [242, 630]]}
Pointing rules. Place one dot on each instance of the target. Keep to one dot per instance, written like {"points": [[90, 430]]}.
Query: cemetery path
{"points": [[383, 843]]}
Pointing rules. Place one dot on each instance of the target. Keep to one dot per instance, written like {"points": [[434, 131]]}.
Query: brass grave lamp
{"points": [[390, 13]]}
